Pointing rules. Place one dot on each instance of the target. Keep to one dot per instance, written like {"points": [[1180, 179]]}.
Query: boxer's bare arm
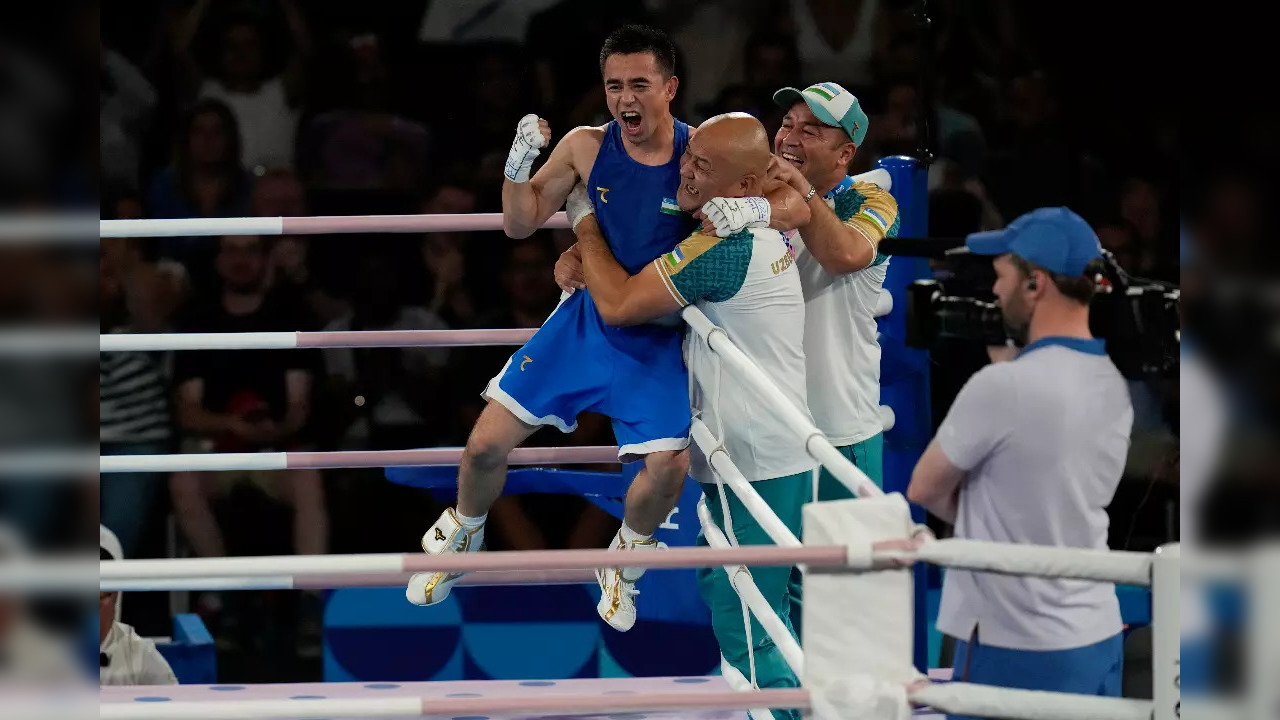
{"points": [[527, 206]]}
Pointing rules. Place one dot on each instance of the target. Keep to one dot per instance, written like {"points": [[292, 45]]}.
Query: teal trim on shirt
{"points": [[717, 274]]}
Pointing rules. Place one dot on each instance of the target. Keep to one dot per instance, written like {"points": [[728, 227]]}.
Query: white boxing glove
{"points": [[578, 205], [729, 215], [524, 149]]}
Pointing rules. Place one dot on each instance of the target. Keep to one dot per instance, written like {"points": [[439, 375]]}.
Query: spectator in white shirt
{"points": [[1031, 453], [266, 106]]}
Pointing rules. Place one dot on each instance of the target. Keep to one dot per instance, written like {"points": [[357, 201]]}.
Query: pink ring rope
{"points": [[149, 342], [424, 457], [471, 222], [814, 556], [585, 455]]}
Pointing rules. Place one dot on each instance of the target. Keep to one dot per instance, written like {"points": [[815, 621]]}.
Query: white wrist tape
{"points": [[759, 212], [524, 149], [578, 205]]}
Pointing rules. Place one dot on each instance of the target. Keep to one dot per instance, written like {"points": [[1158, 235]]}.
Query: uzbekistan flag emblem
{"points": [[875, 218]]}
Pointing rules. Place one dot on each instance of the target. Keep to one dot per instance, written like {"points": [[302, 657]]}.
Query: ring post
{"points": [[1166, 641], [904, 371]]}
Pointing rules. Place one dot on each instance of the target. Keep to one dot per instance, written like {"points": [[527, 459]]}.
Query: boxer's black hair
{"points": [[631, 39]]}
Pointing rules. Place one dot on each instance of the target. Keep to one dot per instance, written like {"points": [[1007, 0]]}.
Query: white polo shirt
{"points": [[1044, 439], [746, 284], [133, 659], [841, 348]]}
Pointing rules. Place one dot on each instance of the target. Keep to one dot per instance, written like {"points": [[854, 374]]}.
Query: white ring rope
{"points": [[340, 580], [425, 457], [128, 571], [756, 505], [968, 699], [1115, 566], [47, 227], [314, 225], [140, 342], [416, 706]]}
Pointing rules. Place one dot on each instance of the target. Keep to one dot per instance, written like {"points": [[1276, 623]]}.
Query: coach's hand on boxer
{"points": [[726, 216], [782, 171], [569, 270], [532, 134]]}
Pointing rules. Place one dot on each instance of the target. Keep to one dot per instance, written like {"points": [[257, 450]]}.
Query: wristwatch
{"points": [[809, 195]]}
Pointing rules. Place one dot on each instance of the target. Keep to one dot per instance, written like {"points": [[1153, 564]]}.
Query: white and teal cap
{"points": [[831, 104]]}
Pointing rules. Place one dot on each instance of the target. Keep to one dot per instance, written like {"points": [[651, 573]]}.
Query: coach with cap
{"points": [[1031, 452], [841, 268]]}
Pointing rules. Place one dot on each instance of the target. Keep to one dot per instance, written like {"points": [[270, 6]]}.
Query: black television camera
{"points": [[1139, 319]]}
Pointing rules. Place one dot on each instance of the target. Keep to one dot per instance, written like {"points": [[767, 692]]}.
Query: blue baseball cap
{"points": [[1054, 238]]}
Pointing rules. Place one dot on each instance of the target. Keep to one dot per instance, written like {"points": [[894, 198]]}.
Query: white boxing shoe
{"points": [[618, 591], [446, 536]]}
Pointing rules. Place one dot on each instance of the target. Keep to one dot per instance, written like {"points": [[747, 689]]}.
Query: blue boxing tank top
{"points": [[635, 204]]}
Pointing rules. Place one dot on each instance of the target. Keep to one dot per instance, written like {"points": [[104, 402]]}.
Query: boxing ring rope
{"points": [[119, 571], [984, 556], [727, 471], [1113, 566], [147, 342], [299, 581], [969, 699], [216, 462], [458, 707], [312, 225]]}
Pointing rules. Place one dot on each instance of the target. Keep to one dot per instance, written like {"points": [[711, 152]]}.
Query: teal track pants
{"points": [[786, 495]]}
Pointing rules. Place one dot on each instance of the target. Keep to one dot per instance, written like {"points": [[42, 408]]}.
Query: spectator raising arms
{"points": [[265, 105]]}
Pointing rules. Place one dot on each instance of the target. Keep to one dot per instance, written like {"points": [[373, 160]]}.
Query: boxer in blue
{"points": [[575, 362]]}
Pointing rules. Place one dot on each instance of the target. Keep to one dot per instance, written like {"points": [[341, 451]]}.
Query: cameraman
{"points": [[1032, 452]]}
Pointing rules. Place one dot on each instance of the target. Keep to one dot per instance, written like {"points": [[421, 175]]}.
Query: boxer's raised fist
{"points": [[532, 134]]}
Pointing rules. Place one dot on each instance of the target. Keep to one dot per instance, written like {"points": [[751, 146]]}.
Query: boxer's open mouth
{"points": [[631, 121]]}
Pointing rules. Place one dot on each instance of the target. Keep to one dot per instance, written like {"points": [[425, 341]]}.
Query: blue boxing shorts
{"points": [[575, 362]]}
